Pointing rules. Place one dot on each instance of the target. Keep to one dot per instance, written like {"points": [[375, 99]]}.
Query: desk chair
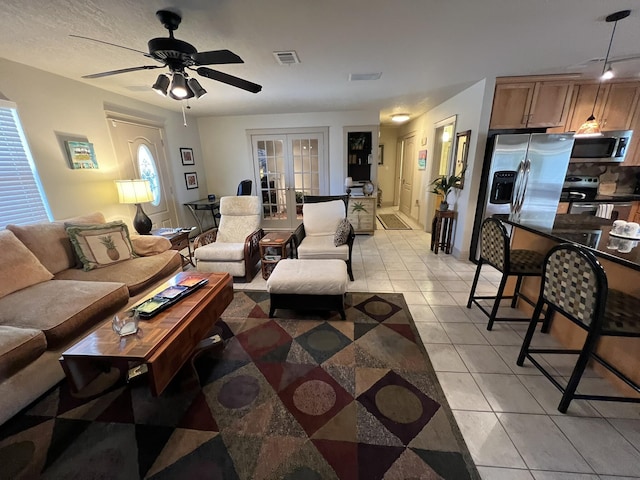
{"points": [[244, 187], [575, 285], [495, 250]]}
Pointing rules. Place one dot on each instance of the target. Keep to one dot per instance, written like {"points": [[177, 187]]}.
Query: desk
{"points": [[204, 205], [441, 230]]}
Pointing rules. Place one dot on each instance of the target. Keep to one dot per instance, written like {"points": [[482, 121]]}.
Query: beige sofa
{"points": [[47, 302]]}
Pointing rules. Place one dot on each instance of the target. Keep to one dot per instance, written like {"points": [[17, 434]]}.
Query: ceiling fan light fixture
{"points": [[161, 85], [179, 87], [196, 88], [400, 117]]}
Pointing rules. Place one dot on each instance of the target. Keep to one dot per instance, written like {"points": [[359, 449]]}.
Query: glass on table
{"points": [[126, 323]]}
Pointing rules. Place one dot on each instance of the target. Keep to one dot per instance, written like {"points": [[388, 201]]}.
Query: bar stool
{"points": [[575, 285], [495, 251]]}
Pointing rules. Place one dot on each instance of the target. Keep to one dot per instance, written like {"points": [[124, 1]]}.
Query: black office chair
{"points": [[574, 284], [244, 188], [495, 251]]}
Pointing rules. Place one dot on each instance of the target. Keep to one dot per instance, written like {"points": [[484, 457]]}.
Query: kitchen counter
{"points": [[586, 230]]}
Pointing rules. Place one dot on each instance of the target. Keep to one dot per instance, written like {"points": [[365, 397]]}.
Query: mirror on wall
{"points": [[443, 147], [459, 161]]}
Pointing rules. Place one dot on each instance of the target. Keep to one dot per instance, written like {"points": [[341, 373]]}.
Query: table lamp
{"points": [[136, 192], [348, 183]]}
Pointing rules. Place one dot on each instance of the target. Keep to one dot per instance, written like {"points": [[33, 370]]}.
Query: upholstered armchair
{"points": [[234, 246], [315, 238]]}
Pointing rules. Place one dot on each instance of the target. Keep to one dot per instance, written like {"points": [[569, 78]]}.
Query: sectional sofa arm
{"points": [[148, 245]]}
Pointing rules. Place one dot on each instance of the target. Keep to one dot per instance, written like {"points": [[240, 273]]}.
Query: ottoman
{"points": [[308, 285]]}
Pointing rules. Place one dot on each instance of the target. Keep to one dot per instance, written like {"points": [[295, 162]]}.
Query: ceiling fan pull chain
{"points": [[184, 116]]}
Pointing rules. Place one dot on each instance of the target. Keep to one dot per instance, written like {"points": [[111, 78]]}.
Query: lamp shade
{"points": [[134, 191], [348, 182]]}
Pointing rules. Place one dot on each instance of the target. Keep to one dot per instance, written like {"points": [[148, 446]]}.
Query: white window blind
{"points": [[22, 199]]}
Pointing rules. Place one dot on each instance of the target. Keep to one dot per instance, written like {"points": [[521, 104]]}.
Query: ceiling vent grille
{"points": [[289, 57], [354, 77]]}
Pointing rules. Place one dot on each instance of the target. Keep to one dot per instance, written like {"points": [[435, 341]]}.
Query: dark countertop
{"points": [[582, 229], [615, 198]]}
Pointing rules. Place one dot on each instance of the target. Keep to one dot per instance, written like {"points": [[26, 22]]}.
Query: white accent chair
{"points": [[314, 237], [234, 246]]}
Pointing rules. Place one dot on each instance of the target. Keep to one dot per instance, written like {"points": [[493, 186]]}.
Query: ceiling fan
{"points": [[180, 56]]}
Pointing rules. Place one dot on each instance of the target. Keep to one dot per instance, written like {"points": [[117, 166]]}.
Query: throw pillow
{"points": [[101, 245], [342, 232], [19, 267]]}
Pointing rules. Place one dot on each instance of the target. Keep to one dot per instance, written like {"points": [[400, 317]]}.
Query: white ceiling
{"points": [[427, 50]]}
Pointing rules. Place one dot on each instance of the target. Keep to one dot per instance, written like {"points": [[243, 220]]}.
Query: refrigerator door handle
{"points": [[520, 188]]}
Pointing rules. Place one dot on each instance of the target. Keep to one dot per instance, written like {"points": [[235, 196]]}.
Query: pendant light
{"points": [[591, 127]]}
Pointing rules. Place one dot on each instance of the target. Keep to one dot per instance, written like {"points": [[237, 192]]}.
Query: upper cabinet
{"points": [[531, 104], [614, 107]]}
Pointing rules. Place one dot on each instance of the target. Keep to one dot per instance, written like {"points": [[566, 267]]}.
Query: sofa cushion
{"points": [[322, 218], [101, 245], [220, 251], [62, 309], [322, 247], [50, 242], [19, 268], [137, 274], [18, 348], [342, 232]]}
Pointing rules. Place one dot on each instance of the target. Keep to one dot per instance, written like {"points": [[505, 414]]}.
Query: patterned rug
{"points": [[391, 221], [303, 396]]}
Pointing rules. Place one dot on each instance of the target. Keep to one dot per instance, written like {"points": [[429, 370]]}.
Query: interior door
{"points": [[140, 152], [409, 158], [288, 166]]}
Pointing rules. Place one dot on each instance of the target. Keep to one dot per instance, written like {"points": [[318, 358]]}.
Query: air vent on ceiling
{"points": [[353, 77], [289, 57]]}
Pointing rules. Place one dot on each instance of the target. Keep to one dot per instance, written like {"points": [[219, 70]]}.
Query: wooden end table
{"points": [[273, 248], [441, 231], [163, 343], [179, 241]]}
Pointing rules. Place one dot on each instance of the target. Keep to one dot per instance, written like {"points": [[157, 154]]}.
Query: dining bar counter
{"points": [[622, 270]]}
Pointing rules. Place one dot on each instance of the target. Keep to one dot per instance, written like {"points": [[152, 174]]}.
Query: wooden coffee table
{"points": [[164, 343]]}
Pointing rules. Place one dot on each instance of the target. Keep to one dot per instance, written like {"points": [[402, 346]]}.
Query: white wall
{"points": [[473, 109], [50, 104], [227, 152]]}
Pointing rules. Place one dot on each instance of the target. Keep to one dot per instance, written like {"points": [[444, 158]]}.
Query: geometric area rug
{"points": [[303, 396]]}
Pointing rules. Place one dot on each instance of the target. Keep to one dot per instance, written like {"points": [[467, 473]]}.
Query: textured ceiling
{"points": [[427, 50]]}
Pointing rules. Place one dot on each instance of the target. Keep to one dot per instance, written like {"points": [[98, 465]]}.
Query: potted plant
{"points": [[442, 185]]}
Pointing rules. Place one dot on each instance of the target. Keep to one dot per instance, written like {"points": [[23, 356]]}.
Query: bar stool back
{"points": [[574, 284], [495, 251]]}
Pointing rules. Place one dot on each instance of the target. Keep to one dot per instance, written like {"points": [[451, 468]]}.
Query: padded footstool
{"points": [[308, 285]]}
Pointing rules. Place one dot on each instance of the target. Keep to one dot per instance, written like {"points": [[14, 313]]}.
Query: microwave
{"points": [[611, 146]]}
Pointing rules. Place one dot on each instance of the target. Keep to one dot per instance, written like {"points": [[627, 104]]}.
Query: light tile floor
{"points": [[507, 414]]}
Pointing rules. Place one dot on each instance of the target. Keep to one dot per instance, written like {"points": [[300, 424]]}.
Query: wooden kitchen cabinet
{"points": [[361, 213], [633, 150], [614, 108], [531, 104], [563, 207]]}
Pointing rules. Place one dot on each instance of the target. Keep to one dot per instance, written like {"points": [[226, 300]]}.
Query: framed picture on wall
{"points": [[422, 160], [81, 155], [380, 154], [191, 179], [186, 155]]}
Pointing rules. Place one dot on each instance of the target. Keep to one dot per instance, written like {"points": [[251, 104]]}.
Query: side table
{"points": [[179, 241], [273, 248], [441, 231]]}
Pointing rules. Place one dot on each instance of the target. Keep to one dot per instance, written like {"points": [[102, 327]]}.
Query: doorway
{"points": [[288, 165], [140, 153], [407, 165]]}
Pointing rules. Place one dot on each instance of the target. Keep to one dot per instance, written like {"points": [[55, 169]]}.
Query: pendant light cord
{"points": [[604, 67]]}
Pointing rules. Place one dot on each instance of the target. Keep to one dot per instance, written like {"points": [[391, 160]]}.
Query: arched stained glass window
{"points": [[149, 171]]}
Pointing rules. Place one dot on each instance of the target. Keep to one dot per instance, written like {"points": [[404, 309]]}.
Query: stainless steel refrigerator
{"points": [[522, 177]]}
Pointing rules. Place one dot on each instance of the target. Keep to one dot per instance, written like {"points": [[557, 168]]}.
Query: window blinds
{"points": [[22, 200]]}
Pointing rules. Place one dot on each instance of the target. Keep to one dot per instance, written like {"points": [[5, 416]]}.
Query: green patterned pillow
{"points": [[101, 245]]}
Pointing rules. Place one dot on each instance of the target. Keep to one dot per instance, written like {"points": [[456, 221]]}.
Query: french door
{"points": [[288, 166], [140, 152]]}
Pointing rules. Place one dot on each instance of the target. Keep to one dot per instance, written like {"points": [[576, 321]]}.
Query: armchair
{"points": [[314, 237], [234, 246]]}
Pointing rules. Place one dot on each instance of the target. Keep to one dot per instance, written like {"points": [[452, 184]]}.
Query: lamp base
{"points": [[141, 222]]}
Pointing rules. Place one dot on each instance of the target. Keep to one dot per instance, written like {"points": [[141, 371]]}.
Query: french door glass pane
{"points": [[272, 179]]}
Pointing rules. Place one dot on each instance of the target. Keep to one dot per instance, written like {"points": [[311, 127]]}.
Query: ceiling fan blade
{"points": [[229, 79], [122, 70], [146, 54], [215, 57]]}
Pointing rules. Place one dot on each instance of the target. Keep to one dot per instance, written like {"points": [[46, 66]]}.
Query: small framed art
{"points": [[191, 179], [186, 155], [81, 155], [422, 160]]}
